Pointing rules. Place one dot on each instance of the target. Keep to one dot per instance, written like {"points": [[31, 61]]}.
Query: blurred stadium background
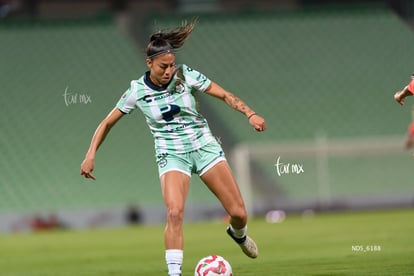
{"points": [[322, 73]]}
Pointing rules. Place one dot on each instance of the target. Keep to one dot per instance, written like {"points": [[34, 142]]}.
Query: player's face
{"points": [[161, 68]]}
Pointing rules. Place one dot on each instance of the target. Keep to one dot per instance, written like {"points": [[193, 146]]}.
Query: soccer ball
{"points": [[212, 266]]}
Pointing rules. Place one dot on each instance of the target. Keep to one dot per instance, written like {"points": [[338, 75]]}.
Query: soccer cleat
{"points": [[247, 245]]}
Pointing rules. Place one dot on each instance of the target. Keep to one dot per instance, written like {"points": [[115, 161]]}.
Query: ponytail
{"points": [[167, 42]]}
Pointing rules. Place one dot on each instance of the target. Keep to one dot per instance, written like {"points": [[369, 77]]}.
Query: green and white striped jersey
{"points": [[171, 112]]}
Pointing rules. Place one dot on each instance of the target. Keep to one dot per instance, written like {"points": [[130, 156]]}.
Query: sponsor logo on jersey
{"points": [[150, 98]]}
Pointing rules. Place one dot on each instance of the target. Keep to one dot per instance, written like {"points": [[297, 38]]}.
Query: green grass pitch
{"points": [[348, 243]]}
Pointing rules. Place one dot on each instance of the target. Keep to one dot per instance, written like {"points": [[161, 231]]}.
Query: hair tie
{"points": [[251, 115]]}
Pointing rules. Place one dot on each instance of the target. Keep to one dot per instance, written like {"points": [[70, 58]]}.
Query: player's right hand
{"points": [[87, 167]]}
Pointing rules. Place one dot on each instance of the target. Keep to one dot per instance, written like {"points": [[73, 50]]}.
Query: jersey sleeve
{"points": [[127, 103], [410, 86], [195, 79]]}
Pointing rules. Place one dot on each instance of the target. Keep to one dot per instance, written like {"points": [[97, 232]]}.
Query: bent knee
{"points": [[239, 213]]}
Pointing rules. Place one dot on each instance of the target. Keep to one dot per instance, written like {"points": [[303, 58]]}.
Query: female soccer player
{"points": [[400, 96], [184, 144]]}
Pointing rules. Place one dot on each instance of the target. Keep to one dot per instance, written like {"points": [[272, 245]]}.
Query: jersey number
{"points": [[169, 111]]}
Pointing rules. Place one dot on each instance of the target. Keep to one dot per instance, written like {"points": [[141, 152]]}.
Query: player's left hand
{"points": [[257, 122], [398, 98]]}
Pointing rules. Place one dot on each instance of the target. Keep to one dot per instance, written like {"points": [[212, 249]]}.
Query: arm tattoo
{"points": [[238, 104]]}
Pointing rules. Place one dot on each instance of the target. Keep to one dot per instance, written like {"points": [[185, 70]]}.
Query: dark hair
{"points": [[166, 41]]}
